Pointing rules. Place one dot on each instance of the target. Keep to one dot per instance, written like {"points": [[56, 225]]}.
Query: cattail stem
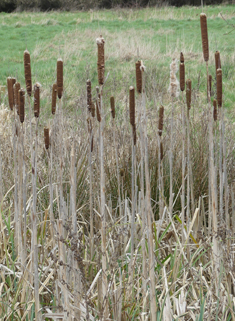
{"points": [[183, 168]]}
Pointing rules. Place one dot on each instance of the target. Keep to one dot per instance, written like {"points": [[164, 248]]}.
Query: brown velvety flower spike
{"points": [[219, 86], [161, 151], [16, 89], [36, 100], [93, 110], [132, 105], [53, 100], [188, 92], [59, 77], [101, 61], [112, 105], [27, 72], [182, 76], [10, 83], [21, 99], [217, 60], [138, 76], [181, 57], [98, 109], [46, 137], [89, 96], [161, 120], [210, 84], [215, 110], [205, 45]]}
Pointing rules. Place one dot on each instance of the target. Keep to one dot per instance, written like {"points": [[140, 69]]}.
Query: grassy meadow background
{"points": [[191, 280]]}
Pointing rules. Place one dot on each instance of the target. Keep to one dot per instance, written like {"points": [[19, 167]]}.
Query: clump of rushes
{"points": [[59, 77], [182, 76], [112, 105], [46, 137], [210, 84], [188, 92], [36, 100], [160, 123], [138, 76], [21, 99], [98, 109], [10, 83], [53, 100], [27, 72], [181, 57], [205, 45], [100, 62], [219, 86], [215, 110], [217, 60], [16, 89], [89, 96]]}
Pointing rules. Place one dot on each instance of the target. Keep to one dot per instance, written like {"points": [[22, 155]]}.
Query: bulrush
{"points": [[210, 84], [36, 100], [215, 110], [219, 86], [132, 105], [161, 120], [217, 60], [205, 46], [21, 98], [53, 100], [27, 72], [181, 57], [101, 62], [93, 110], [182, 76], [98, 109], [59, 77], [16, 89], [161, 151], [138, 76], [134, 134], [112, 105], [46, 137], [188, 92], [89, 96], [10, 83]]}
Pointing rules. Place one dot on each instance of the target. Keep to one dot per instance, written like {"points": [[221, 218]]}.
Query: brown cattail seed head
{"points": [[21, 98], [217, 60], [134, 134], [59, 77], [182, 76], [138, 76], [210, 85], [46, 137], [98, 109], [93, 110], [205, 46], [188, 92], [112, 105], [219, 86], [161, 151], [27, 72], [214, 109], [10, 83], [89, 97], [36, 100], [16, 89], [132, 105], [181, 57], [100, 63], [53, 100], [161, 120]]}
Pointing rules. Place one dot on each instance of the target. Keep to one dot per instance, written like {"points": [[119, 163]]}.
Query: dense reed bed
{"points": [[118, 211]]}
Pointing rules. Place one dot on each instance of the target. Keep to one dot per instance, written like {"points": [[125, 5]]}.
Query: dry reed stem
{"points": [[182, 76], [205, 45], [138, 77], [27, 72], [53, 100], [217, 60], [60, 78], [112, 105], [89, 96], [188, 93], [46, 137], [10, 83], [132, 105], [101, 61], [21, 98], [16, 89], [219, 86], [161, 120], [215, 114], [36, 100]]}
